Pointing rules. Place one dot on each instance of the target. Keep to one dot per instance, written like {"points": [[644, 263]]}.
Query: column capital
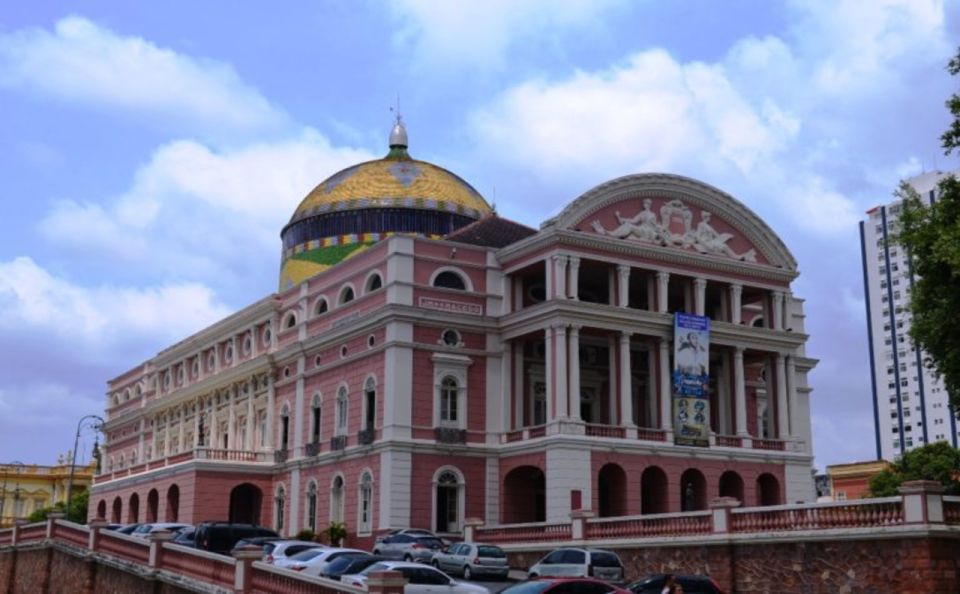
{"points": [[574, 261], [739, 350], [560, 327], [700, 282], [560, 258], [625, 335], [623, 269], [575, 329], [662, 274]]}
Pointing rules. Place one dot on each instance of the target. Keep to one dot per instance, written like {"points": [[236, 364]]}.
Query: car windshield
{"points": [[344, 561], [489, 551], [535, 587], [375, 567], [604, 559], [306, 555]]}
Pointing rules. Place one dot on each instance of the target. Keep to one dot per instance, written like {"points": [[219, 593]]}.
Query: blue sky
{"points": [[151, 152]]}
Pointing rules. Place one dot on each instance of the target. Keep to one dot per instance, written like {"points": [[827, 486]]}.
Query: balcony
{"points": [[338, 443], [450, 435], [280, 456], [312, 448], [365, 436]]}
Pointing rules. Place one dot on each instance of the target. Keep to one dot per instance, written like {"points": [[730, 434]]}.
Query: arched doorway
{"points": [[245, 500], [524, 496], [768, 490], [611, 491], [102, 509], [731, 485], [653, 491], [173, 504], [133, 509], [693, 490], [117, 516], [448, 486], [153, 505]]}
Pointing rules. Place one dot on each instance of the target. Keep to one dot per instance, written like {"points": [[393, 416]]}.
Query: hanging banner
{"points": [[691, 378]]}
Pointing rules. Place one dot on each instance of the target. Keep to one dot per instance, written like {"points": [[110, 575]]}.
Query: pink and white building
{"points": [[427, 361]]}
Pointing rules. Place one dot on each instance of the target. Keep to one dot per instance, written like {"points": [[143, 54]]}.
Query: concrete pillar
{"points": [[245, 556], [575, 372], [623, 285], [506, 381], [574, 289], [560, 276], [506, 305], [663, 288], [740, 391], [736, 304], [721, 508], [626, 382], [783, 420], [563, 400], [922, 502], [156, 547], [792, 396], [666, 400], [777, 310], [548, 370], [700, 296]]}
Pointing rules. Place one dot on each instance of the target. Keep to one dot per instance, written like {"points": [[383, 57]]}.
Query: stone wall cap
{"points": [[248, 552], [161, 535], [56, 515], [725, 502], [914, 487], [581, 513]]}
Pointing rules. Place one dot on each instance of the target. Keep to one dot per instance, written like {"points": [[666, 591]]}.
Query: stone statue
{"points": [[708, 240], [641, 227]]}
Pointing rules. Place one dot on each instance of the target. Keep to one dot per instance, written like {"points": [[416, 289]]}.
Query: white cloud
{"points": [[819, 208], [100, 319], [481, 33], [81, 61], [210, 210]]}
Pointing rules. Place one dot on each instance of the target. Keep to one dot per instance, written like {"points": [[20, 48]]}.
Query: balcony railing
{"points": [[365, 436], [450, 435], [280, 456], [338, 442], [769, 444], [606, 431], [312, 448], [729, 441]]}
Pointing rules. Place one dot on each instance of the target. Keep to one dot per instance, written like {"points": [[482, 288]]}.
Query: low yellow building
{"points": [[25, 488]]}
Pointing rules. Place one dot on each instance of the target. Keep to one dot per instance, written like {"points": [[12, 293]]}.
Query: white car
{"points": [[421, 579], [574, 562], [277, 550], [145, 530], [314, 561]]}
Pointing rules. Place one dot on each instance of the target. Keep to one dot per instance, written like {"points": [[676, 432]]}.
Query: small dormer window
{"points": [[450, 280]]}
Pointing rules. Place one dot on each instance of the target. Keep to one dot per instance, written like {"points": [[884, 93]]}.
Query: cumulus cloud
{"points": [[212, 211], [100, 319], [479, 34], [81, 61]]}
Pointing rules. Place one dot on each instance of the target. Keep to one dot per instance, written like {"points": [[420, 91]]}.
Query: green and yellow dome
{"points": [[365, 203]]}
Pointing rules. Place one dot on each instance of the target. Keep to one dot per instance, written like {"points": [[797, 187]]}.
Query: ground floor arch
{"points": [[133, 509], [611, 491], [768, 490], [693, 490], [653, 491], [731, 485], [117, 514], [524, 496], [153, 505], [173, 504], [245, 501]]}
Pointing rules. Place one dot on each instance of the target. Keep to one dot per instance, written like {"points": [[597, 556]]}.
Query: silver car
{"points": [[598, 563], [408, 547], [471, 559]]}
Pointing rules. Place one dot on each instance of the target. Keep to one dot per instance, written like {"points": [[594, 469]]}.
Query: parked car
{"points": [[408, 547], [691, 584], [314, 562], [413, 531], [144, 530], [219, 537], [256, 541], [113, 527], [571, 562], [471, 559], [280, 550], [186, 537], [128, 528], [421, 579], [349, 564], [565, 586]]}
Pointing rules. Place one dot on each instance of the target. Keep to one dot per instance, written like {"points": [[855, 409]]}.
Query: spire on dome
{"points": [[398, 135]]}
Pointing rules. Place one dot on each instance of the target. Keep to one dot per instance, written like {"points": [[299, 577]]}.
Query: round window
{"points": [[451, 337]]}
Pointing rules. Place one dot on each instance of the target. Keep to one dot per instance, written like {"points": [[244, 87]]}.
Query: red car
{"points": [[559, 585]]}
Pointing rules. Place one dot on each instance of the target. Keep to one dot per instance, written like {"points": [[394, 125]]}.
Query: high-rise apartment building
{"points": [[910, 404]]}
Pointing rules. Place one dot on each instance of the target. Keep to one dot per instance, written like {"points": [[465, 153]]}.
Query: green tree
{"points": [[931, 237], [937, 461]]}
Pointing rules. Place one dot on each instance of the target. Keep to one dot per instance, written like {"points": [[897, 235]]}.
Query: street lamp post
{"points": [[3, 490], [96, 423]]}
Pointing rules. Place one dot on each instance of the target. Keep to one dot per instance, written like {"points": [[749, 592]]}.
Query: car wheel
{"points": [[532, 576], [408, 558], [376, 552], [467, 574]]}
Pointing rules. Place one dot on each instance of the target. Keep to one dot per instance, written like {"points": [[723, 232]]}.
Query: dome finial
{"points": [[398, 135]]}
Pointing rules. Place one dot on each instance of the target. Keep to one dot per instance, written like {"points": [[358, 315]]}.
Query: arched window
{"points": [[369, 404], [312, 507], [284, 428], [342, 403], [450, 280], [447, 502], [336, 499], [321, 307], [373, 283], [315, 418], [365, 522], [280, 504], [449, 393], [346, 295], [290, 321]]}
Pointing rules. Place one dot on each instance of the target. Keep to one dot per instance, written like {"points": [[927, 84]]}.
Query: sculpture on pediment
{"points": [[674, 228]]}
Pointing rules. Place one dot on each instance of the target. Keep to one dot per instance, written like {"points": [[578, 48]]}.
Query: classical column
{"points": [[787, 314], [548, 370], [736, 304], [575, 372], [626, 382], [563, 400], [700, 295], [248, 442], [666, 400], [506, 380], [197, 411], [574, 289], [519, 394], [740, 391], [549, 270], [663, 287], [271, 404], [182, 447], [777, 310], [214, 424], [561, 276], [611, 281], [623, 285], [232, 419], [612, 379], [155, 438], [792, 395], [783, 417]]}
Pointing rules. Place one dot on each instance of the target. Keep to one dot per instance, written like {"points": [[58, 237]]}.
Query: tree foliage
{"points": [[931, 236], [937, 461], [77, 512]]}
